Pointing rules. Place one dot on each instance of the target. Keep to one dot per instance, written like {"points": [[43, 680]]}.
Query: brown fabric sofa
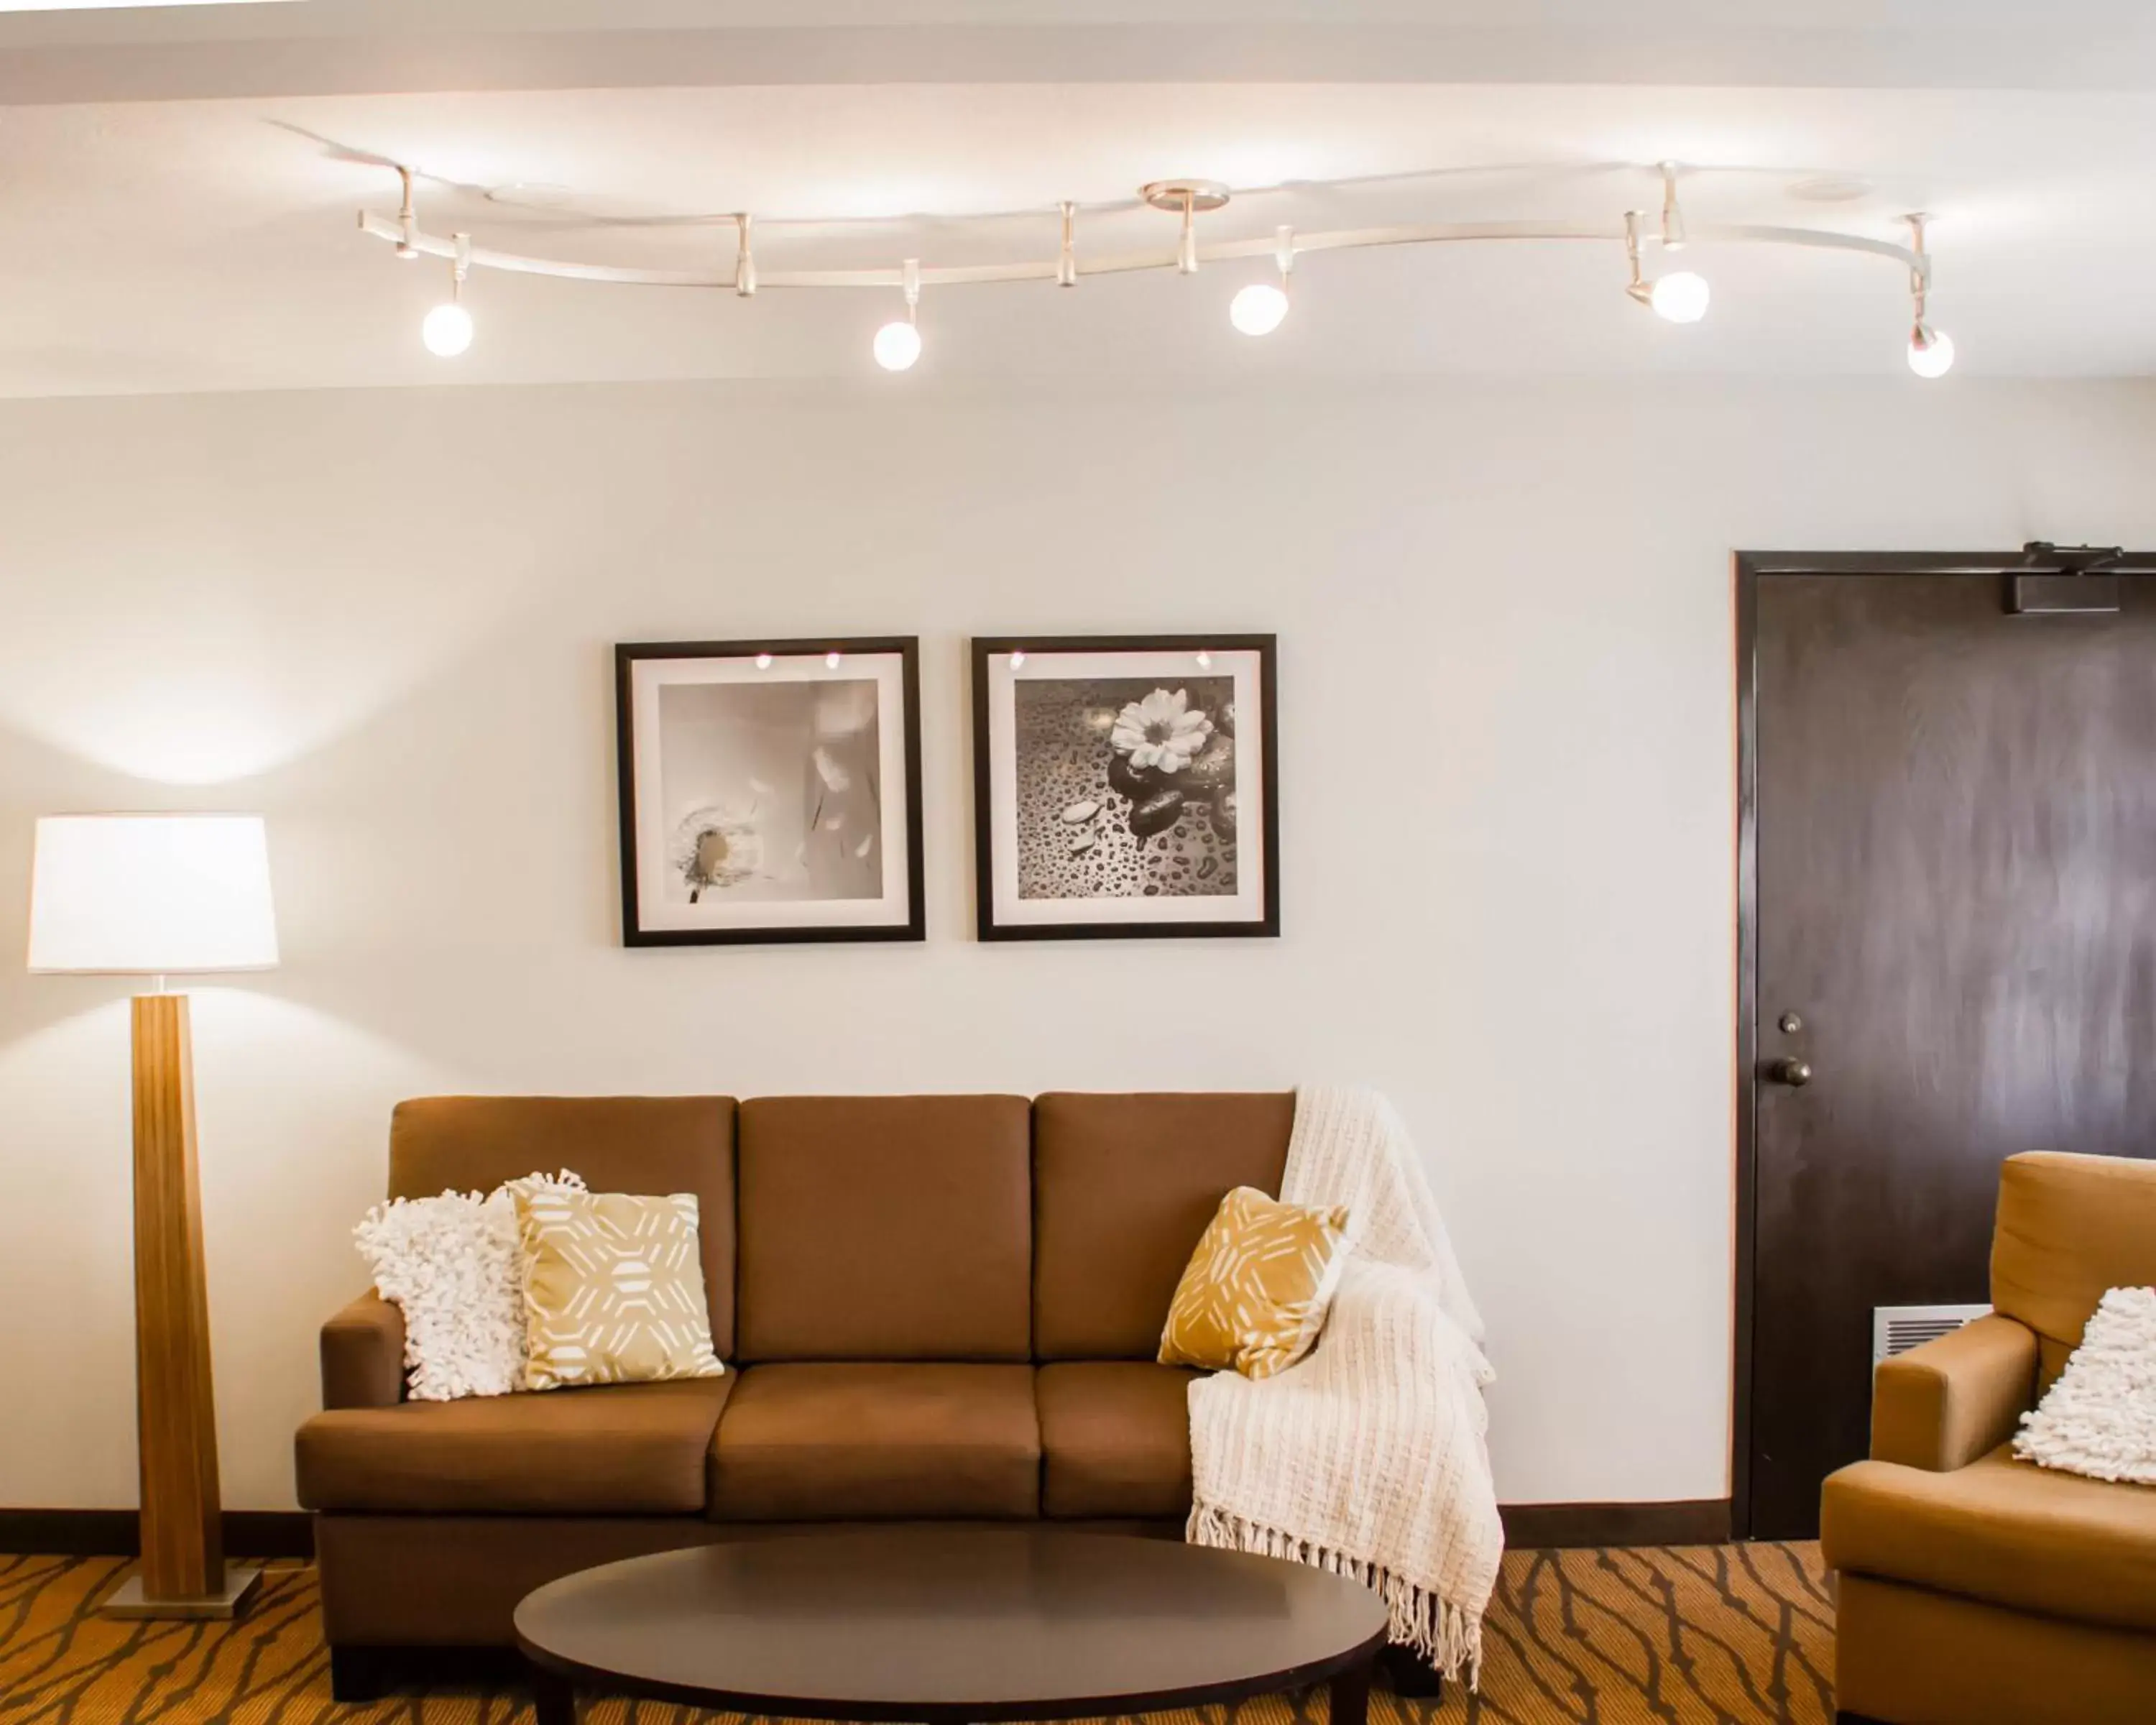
{"points": [[1975, 1589], [930, 1308]]}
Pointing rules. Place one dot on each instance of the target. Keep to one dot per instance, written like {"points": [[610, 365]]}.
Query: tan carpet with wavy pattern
{"points": [[1719, 1635]]}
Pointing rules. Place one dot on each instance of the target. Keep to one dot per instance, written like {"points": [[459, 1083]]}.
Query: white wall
{"points": [[1505, 723]]}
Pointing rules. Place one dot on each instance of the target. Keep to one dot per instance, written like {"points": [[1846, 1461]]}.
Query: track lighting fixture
{"points": [[1930, 351], [1258, 309], [898, 343], [447, 331], [1680, 297]]}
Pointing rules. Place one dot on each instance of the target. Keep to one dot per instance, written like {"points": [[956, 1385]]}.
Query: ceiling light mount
{"points": [[1673, 223], [1175, 196], [744, 255], [408, 220], [1187, 199]]}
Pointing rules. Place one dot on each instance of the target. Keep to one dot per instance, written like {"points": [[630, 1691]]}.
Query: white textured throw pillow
{"points": [[2100, 1417], [451, 1265]]}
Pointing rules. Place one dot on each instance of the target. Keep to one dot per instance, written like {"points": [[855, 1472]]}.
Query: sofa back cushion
{"points": [[886, 1227], [2070, 1228], [653, 1145], [1124, 1187]]}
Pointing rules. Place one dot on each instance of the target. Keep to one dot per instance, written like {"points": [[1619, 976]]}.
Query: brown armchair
{"points": [[363, 1355], [1975, 1589]]}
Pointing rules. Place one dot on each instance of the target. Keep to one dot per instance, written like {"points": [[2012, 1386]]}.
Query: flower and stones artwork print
{"points": [[770, 791], [1125, 787]]}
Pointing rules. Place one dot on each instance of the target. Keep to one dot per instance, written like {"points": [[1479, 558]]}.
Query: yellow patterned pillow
{"points": [[614, 1288], [1254, 1295]]}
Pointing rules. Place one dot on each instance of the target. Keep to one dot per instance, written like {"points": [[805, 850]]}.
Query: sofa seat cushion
{"points": [[1115, 1438], [877, 1440], [625, 1449], [2001, 1531]]}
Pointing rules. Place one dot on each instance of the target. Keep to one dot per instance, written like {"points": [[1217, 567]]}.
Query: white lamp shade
{"points": [[152, 895]]}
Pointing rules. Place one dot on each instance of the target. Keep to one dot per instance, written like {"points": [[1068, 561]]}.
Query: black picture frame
{"points": [[990, 925], [628, 655]]}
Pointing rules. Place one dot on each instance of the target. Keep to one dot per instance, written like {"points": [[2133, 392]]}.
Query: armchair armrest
{"points": [[363, 1355], [1940, 1406]]}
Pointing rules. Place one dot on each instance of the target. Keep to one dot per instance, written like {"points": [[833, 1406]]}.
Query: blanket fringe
{"points": [[1445, 1636]]}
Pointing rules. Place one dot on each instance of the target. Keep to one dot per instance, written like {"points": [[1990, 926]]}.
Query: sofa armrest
{"points": [[1940, 1406], [363, 1355]]}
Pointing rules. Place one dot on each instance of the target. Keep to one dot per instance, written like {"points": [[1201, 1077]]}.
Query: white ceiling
{"points": [[475, 44], [177, 186]]}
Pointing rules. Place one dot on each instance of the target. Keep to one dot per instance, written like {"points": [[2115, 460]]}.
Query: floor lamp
{"points": [[162, 894]]}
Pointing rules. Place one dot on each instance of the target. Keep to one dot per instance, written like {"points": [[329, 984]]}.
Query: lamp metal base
{"points": [[240, 1581]]}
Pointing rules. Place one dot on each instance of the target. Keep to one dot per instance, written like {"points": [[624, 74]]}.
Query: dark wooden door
{"points": [[1956, 894]]}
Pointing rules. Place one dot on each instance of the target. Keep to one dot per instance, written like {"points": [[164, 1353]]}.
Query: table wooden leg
{"points": [[554, 1697], [1351, 1694], [1408, 1676]]}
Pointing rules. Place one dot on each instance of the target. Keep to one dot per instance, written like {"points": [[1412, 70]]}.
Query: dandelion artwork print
{"points": [[1125, 787], [770, 791]]}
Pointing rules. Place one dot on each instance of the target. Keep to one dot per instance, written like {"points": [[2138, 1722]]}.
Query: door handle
{"points": [[1790, 1071]]}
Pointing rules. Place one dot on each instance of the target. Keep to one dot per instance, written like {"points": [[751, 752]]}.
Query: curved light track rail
{"points": [[1223, 251]]}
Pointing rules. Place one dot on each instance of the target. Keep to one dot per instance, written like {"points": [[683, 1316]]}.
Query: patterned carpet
{"points": [[1718, 1634]]}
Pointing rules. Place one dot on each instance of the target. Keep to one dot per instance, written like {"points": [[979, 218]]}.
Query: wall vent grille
{"points": [[1896, 1329]]}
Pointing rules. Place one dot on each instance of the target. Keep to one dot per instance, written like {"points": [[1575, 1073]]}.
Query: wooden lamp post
{"points": [[162, 895]]}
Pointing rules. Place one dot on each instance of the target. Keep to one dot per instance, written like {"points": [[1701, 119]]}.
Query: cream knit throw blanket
{"points": [[1367, 1459]]}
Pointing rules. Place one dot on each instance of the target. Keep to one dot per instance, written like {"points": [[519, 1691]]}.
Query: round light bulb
{"points": [[763, 661], [1681, 297], [447, 329], [1930, 352], [1258, 309], [897, 346], [831, 659]]}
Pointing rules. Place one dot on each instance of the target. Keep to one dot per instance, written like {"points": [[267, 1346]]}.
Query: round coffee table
{"points": [[947, 1626]]}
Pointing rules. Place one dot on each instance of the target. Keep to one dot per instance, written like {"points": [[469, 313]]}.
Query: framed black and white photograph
{"points": [[770, 791], [1125, 786]]}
